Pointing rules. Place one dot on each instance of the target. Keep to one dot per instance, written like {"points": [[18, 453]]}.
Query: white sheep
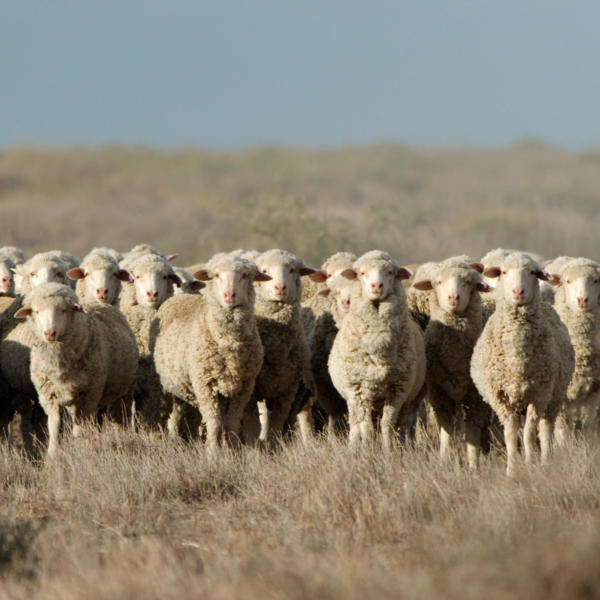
{"points": [[576, 302], [141, 250], [374, 362], [153, 280], [523, 360], [81, 360], [208, 350], [286, 355], [7, 275], [553, 268], [44, 267], [456, 322], [99, 278]]}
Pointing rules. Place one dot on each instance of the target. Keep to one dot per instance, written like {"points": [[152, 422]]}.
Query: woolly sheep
{"points": [[141, 250], [208, 350], [16, 254], [576, 302], [286, 356], [319, 321], [44, 267], [153, 280], [188, 284], [553, 267], [373, 362], [455, 324], [80, 360], [523, 360], [7, 275], [98, 278]]}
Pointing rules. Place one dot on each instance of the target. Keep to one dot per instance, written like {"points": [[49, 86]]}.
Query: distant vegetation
{"points": [[417, 203]]}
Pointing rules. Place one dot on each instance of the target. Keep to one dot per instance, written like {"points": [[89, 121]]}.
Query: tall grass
{"points": [[129, 515]]}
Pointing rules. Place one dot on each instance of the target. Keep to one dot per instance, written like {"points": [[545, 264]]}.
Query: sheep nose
{"points": [[346, 304], [518, 293], [152, 295], [582, 302], [229, 297], [102, 293], [50, 335], [280, 289], [6, 282], [453, 299], [377, 287]]}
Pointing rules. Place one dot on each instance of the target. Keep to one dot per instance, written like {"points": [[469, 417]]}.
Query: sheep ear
{"points": [[482, 287], [203, 275], [551, 279], [306, 271], [78, 307], [325, 292], [123, 275], [197, 285], [76, 273], [477, 267], [423, 285], [262, 277], [402, 273], [318, 276], [175, 279], [349, 274], [492, 272], [23, 312], [170, 257]]}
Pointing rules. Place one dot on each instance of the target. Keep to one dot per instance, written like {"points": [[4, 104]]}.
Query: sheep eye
{"points": [[32, 274], [568, 281], [265, 271], [503, 272], [217, 275], [244, 276], [362, 273], [292, 270], [137, 276], [63, 311]]}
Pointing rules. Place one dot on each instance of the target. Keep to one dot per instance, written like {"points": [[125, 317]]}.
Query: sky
{"points": [[231, 73]]}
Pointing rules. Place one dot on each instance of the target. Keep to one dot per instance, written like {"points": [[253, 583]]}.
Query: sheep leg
{"points": [[444, 409], [388, 420], [264, 416], [545, 427], [354, 434], [561, 430], [53, 412], [232, 420], [473, 439], [79, 416], [511, 433], [529, 434], [211, 415], [305, 424], [175, 419], [280, 411]]}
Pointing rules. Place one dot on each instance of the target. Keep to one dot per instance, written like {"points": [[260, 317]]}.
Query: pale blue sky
{"points": [[313, 72]]}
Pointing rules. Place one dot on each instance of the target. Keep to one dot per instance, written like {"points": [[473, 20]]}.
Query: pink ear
{"points": [[262, 277], [202, 275], [349, 274], [124, 276], [492, 272], [318, 276], [477, 267], [23, 312], [423, 286], [76, 273], [78, 307], [306, 271], [403, 273], [130, 278], [170, 257], [324, 292]]}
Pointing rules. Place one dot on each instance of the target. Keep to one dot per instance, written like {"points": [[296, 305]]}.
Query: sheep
{"points": [[455, 324], [189, 285], [153, 279], [523, 360], [374, 362], [16, 254], [141, 250], [576, 302], [99, 278], [208, 350], [7, 275], [80, 359], [319, 321], [115, 254], [286, 356], [43, 267], [553, 267]]}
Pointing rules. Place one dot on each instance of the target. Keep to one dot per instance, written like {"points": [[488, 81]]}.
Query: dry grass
{"points": [[126, 515], [419, 204]]}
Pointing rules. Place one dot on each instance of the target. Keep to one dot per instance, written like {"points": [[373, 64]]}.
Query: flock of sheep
{"points": [[250, 345]]}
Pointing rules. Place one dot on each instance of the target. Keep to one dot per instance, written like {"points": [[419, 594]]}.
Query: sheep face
{"points": [[7, 280], [453, 290], [341, 289], [153, 279], [103, 282], [284, 270], [50, 315], [46, 270], [582, 287], [519, 275]]}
